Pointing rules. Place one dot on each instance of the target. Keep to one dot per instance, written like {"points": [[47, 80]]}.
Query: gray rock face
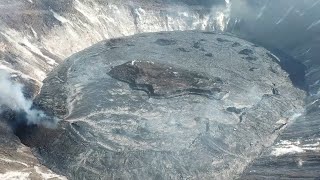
{"points": [[112, 131]]}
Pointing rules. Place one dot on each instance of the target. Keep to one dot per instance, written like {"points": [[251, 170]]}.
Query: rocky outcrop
{"points": [[163, 81]]}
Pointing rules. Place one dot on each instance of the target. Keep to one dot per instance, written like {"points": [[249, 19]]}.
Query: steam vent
{"points": [[159, 90]]}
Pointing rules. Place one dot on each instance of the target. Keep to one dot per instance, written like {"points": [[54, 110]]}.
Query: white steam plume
{"points": [[11, 96], [222, 15]]}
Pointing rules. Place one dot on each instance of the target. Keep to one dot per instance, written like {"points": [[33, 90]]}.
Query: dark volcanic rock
{"points": [[165, 42], [222, 40], [110, 131], [246, 52], [236, 44], [209, 54], [160, 80], [234, 110]]}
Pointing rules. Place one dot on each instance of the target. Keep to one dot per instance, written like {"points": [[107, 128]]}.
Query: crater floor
{"points": [[114, 125]]}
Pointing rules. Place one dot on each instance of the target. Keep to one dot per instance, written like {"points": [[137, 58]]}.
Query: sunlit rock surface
{"points": [[112, 130]]}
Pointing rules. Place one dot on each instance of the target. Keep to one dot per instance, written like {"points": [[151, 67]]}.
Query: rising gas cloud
{"points": [[12, 97]]}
